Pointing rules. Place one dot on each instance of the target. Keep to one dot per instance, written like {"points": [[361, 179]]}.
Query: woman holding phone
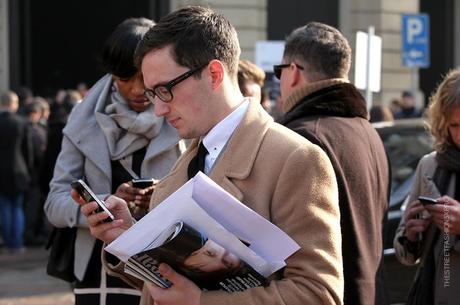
{"points": [[429, 232], [111, 137]]}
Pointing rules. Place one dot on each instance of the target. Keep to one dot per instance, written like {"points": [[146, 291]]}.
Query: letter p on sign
{"points": [[414, 29]]}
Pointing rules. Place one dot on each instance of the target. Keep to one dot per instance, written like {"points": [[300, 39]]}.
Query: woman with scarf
{"points": [[429, 235], [111, 137]]}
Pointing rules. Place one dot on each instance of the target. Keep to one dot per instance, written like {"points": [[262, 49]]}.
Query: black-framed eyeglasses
{"points": [[277, 69], [164, 92]]}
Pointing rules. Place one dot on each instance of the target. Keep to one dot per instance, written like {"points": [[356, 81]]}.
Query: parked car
{"points": [[405, 141]]}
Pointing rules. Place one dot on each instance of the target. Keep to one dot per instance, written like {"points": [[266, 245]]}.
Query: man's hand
{"points": [[446, 214], [182, 292], [105, 231], [415, 225]]}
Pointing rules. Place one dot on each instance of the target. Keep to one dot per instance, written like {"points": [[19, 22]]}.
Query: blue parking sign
{"points": [[416, 40]]}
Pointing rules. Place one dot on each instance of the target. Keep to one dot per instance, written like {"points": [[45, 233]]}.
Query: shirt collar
{"points": [[218, 136]]}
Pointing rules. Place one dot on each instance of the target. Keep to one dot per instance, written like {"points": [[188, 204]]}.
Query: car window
{"points": [[406, 142], [405, 146]]}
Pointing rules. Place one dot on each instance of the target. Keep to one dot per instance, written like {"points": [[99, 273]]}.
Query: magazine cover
{"points": [[195, 256]]}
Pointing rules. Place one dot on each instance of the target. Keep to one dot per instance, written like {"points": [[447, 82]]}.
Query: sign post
{"points": [[369, 96], [415, 44], [368, 59]]}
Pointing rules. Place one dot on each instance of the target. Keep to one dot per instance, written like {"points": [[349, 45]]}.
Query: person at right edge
{"points": [[429, 235], [320, 104], [189, 62]]}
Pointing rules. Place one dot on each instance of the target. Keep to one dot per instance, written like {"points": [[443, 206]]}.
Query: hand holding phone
{"points": [[88, 195], [424, 200], [143, 183]]}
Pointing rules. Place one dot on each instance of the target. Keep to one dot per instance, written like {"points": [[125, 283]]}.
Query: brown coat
{"points": [[333, 115], [289, 181]]}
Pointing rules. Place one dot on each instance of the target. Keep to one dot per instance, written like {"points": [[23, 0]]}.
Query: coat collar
{"points": [[342, 100], [305, 90], [83, 131], [235, 163]]}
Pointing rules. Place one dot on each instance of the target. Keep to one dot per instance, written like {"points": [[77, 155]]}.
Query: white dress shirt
{"points": [[218, 136]]}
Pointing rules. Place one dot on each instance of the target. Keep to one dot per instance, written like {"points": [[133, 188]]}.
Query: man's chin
{"points": [[186, 135]]}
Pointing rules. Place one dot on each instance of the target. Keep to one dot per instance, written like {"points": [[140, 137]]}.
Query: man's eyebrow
{"points": [[162, 83]]}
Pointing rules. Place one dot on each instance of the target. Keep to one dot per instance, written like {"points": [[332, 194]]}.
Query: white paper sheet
{"points": [[204, 205], [265, 238]]}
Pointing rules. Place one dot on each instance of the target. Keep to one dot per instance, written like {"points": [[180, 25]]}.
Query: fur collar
{"points": [[334, 99], [298, 94]]}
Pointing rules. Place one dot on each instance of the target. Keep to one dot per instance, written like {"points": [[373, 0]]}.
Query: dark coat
{"points": [[15, 154], [51, 154], [335, 118]]}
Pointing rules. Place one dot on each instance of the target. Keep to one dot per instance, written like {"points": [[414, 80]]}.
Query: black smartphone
{"points": [[143, 183], [88, 195], [427, 200]]}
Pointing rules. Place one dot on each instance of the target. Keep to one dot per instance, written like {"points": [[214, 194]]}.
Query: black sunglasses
{"points": [[277, 69], [164, 92]]}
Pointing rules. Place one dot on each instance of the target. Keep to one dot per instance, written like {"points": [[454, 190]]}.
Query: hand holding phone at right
{"points": [[414, 224], [105, 231], [446, 214]]}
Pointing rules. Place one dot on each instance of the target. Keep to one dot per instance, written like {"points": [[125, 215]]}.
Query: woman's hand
{"points": [[142, 199], [135, 197], [415, 225], [126, 191], [446, 214], [105, 231]]}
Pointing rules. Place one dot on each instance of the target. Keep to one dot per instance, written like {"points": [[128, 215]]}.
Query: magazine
{"points": [[200, 259], [207, 208]]}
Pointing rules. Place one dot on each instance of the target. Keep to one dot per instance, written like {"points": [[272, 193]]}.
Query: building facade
{"points": [[55, 44]]}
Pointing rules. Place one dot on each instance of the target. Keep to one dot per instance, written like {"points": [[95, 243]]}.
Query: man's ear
{"points": [[217, 72], [296, 75]]}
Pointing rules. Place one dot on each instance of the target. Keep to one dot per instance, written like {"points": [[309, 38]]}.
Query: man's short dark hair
{"points": [[321, 48], [197, 36]]}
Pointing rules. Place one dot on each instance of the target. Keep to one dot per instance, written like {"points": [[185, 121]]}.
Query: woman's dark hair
{"points": [[118, 51]]}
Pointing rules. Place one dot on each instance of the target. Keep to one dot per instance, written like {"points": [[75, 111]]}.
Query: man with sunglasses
{"points": [[321, 105], [189, 62]]}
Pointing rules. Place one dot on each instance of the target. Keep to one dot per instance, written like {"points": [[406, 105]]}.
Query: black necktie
{"points": [[197, 163]]}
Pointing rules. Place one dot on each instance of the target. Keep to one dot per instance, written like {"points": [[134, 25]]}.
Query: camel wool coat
{"points": [[290, 182]]}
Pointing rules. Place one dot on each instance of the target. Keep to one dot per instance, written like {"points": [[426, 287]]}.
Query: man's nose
{"points": [[161, 108]]}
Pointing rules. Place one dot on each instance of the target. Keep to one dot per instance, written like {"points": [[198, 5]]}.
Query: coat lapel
{"points": [[241, 151], [91, 142]]}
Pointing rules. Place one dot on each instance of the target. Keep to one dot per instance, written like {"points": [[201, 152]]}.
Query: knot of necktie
{"points": [[197, 163]]}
